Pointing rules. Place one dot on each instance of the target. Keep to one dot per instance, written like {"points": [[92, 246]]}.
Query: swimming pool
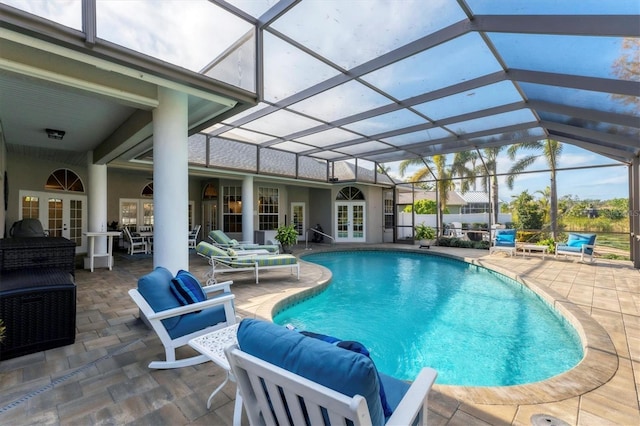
{"points": [[475, 326]]}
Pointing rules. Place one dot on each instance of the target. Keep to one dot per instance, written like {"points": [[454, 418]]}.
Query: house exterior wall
{"points": [[27, 173], [320, 208], [4, 183]]}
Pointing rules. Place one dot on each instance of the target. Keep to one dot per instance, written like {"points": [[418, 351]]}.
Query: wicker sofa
{"points": [[37, 294]]}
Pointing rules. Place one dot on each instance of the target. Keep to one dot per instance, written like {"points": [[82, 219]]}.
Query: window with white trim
{"points": [[267, 208], [232, 208]]}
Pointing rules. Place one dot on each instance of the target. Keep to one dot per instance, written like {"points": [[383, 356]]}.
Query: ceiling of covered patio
{"points": [[386, 81]]}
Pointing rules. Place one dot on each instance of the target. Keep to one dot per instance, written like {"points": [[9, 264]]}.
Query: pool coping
{"points": [[598, 365]]}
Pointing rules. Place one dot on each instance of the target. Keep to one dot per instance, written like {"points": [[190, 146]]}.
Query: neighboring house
{"points": [[455, 201]]}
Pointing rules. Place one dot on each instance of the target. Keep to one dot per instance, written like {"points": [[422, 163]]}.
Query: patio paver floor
{"points": [[103, 378]]}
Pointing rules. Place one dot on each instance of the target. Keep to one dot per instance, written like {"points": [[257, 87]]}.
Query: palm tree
{"points": [[491, 163], [551, 150], [460, 168], [442, 175], [544, 203]]}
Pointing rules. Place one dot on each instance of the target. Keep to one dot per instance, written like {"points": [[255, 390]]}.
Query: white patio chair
{"points": [[175, 324], [455, 230], [285, 377], [193, 236], [136, 244], [582, 245], [504, 240]]}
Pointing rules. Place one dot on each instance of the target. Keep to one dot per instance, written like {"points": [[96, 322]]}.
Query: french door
{"points": [[350, 222], [61, 215], [209, 217], [298, 219]]}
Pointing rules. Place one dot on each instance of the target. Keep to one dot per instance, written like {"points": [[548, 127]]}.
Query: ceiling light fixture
{"points": [[55, 134]]}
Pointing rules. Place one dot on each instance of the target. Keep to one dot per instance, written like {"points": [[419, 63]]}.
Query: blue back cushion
{"points": [[344, 371], [577, 240], [359, 348], [154, 287], [505, 237], [186, 288]]}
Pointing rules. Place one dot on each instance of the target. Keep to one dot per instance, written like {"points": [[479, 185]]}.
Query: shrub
{"points": [[527, 236], [550, 243]]}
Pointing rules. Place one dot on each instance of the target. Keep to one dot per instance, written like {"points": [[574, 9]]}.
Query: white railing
{"points": [[405, 220], [306, 237]]}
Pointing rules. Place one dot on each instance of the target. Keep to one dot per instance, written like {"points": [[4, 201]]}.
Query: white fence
{"points": [[405, 220]]}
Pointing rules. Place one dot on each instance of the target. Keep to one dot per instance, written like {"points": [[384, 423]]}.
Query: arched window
{"points": [[147, 191], [350, 193], [210, 192], [64, 180]]}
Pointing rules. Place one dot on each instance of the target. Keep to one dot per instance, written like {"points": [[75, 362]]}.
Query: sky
{"points": [[593, 184], [147, 27]]}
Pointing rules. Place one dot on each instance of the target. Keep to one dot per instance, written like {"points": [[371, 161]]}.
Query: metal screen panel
{"points": [[231, 154], [277, 162]]}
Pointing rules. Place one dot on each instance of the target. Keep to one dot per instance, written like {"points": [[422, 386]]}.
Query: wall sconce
{"points": [[55, 134]]}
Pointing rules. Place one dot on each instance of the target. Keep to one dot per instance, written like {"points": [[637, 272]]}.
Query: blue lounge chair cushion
{"points": [[359, 348], [195, 321], [186, 288], [344, 371], [576, 241], [505, 237], [154, 287]]}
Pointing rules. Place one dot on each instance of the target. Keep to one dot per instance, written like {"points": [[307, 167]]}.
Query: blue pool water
{"points": [[475, 326]]}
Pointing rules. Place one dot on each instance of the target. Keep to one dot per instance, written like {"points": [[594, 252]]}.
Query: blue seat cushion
{"points": [[154, 287], [347, 372], [394, 390], [195, 321], [186, 288]]}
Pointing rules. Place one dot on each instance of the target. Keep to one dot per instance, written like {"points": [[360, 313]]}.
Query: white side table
{"points": [[212, 345], [92, 254], [534, 247]]}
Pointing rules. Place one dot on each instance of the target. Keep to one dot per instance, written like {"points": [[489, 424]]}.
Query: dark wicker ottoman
{"points": [[26, 254], [38, 308]]}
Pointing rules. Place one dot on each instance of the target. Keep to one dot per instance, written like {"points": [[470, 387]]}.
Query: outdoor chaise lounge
{"points": [[229, 260], [286, 377], [504, 240], [176, 320], [578, 245], [222, 240]]}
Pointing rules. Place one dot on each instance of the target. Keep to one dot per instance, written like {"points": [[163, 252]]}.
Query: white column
{"points": [[247, 208], [170, 181], [634, 211], [97, 206]]}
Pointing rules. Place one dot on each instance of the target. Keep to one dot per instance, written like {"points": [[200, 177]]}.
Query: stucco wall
{"points": [[31, 174], [3, 182]]}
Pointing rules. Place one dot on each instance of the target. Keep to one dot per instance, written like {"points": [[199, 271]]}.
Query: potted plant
{"points": [[287, 235], [425, 235]]}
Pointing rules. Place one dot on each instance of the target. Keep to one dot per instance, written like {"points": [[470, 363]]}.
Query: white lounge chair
{"points": [[175, 324], [504, 240], [222, 240], [582, 245], [223, 261], [285, 377]]}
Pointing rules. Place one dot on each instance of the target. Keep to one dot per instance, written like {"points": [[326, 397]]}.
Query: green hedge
{"points": [[457, 242]]}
